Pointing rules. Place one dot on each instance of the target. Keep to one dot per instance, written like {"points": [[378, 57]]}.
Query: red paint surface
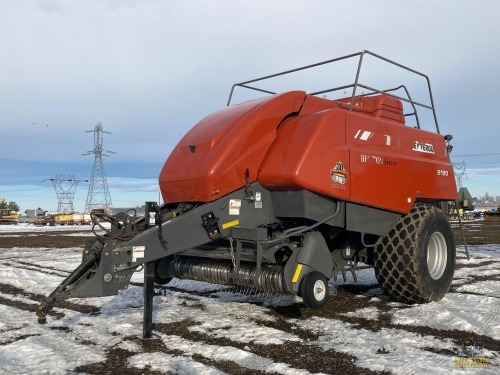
{"points": [[285, 149]]}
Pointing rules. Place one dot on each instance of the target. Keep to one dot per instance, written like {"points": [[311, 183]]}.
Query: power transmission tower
{"points": [[98, 195], [65, 187], [459, 173]]}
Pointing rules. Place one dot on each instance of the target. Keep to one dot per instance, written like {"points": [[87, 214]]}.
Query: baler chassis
{"points": [[283, 193]]}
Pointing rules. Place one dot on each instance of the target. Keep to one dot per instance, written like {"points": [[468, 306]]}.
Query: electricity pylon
{"points": [[98, 195], [65, 187], [459, 173]]}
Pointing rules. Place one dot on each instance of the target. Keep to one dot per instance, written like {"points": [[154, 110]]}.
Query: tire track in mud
{"points": [[116, 360], [336, 307], [349, 298], [476, 265], [34, 267], [18, 338], [344, 302], [15, 291], [304, 355], [45, 240], [472, 279], [64, 272], [493, 316], [298, 355]]}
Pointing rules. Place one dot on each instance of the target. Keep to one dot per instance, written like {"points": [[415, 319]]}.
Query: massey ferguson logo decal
{"points": [[339, 174], [423, 147]]}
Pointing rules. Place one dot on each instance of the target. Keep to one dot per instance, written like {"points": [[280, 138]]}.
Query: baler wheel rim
{"points": [[314, 290], [319, 290], [437, 255]]}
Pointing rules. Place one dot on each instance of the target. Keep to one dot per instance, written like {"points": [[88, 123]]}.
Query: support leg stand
{"points": [[149, 273]]}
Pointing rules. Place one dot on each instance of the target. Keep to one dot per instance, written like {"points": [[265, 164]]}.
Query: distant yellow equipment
{"points": [[72, 219], [8, 216]]}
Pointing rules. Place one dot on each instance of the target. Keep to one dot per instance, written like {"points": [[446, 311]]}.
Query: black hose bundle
{"points": [[123, 226]]}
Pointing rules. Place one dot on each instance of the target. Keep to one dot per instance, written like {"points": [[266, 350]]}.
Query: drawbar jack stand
{"points": [[149, 273]]}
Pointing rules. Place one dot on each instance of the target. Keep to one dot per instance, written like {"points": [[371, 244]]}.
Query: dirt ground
{"points": [[478, 232], [316, 359]]}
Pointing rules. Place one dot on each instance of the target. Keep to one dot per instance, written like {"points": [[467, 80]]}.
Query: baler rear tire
{"points": [[415, 262], [314, 290]]}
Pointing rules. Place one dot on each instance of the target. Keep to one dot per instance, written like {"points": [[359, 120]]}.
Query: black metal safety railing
{"points": [[354, 86]]}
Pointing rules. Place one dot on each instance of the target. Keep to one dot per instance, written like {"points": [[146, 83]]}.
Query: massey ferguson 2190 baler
{"points": [[285, 192]]}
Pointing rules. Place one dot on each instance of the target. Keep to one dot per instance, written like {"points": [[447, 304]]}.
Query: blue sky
{"points": [[149, 70]]}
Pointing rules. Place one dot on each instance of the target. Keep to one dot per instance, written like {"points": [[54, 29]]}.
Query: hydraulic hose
{"points": [[299, 230]]}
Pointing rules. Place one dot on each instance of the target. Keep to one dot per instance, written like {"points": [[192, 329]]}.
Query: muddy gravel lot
{"points": [[207, 329]]}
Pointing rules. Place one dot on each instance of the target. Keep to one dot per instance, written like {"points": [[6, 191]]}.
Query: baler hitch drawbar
{"points": [[125, 229], [58, 294]]}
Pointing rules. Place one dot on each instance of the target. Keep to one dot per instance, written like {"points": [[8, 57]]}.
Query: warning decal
{"points": [[137, 252], [234, 206]]}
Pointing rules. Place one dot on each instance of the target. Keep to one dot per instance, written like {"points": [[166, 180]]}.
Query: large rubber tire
{"points": [[314, 290], [415, 262]]}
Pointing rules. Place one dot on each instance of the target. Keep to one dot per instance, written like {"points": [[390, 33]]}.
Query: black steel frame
{"points": [[353, 86]]}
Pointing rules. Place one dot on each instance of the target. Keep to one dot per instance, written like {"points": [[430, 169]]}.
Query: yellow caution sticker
{"points": [[230, 224], [297, 273]]}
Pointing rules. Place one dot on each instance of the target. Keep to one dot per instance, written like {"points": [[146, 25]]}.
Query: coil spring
{"points": [[217, 271]]}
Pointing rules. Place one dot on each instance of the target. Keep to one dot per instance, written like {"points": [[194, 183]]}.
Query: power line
{"points": [[477, 154]]}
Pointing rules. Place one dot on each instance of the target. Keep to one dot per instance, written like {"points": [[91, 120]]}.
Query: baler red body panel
{"points": [[393, 165], [211, 159], [306, 152], [292, 141]]}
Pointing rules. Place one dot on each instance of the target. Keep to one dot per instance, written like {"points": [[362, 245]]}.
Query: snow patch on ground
{"points": [[393, 350], [465, 312]]}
